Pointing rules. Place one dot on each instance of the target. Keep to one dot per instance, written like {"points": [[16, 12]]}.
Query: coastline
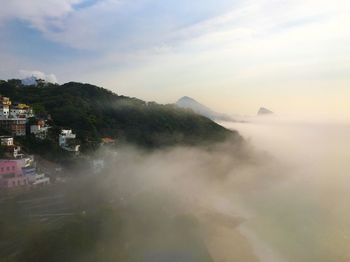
{"points": [[263, 251], [224, 240]]}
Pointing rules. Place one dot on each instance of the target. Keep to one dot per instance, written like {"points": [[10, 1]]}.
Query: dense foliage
{"points": [[93, 112]]}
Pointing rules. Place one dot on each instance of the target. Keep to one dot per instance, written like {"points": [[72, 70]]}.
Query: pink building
{"points": [[11, 174]]}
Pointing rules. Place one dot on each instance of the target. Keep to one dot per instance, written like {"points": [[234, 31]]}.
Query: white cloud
{"points": [[51, 78], [254, 46], [37, 13]]}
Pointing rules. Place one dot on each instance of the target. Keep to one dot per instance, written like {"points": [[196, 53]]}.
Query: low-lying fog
{"points": [[284, 197], [304, 214]]}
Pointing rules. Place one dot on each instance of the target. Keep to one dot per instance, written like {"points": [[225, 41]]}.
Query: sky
{"points": [[291, 56]]}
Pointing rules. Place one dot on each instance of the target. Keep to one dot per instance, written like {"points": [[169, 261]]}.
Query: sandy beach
{"points": [[224, 240]]}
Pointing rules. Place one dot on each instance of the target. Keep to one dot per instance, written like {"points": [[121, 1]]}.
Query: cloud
{"points": [[82, 24], [51, 78], [37, 13], [119, 26], [237, 47]]}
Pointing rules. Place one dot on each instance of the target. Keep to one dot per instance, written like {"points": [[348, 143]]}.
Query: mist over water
{"points": [[179, 204], [304, 214], [282, 196]]}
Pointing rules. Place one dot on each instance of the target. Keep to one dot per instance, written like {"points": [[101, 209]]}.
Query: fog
{"points": [[280, 196], [304, 215], [179, 203]]}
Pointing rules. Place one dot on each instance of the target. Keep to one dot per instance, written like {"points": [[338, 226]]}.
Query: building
{"points": [[41, 180], [16, 152], [11, 175], [6, 140], [5, 104], [108, 141], [20, 172], [16, 126], [12, 151], [13, 117], [39, 129], [67, 141], [19, 110], [65, 136]]}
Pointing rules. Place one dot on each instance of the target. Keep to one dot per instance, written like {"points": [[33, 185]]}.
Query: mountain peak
{"points": [[187, 99], [264, 111], [190, 103]]}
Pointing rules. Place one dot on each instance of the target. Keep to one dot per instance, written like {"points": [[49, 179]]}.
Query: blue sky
{"points": [[232, 55]]}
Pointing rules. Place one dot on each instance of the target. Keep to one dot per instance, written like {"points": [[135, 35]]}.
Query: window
{"points": [[8, 168], [13, 168]]}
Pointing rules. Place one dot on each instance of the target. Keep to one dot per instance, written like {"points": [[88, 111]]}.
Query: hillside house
{"points": [[6, 141], [12, 151], [13, 117], [107, 141], [11, 175], [20, 172], [67, 141], [5, 104], [40, 180], [39, 129]]}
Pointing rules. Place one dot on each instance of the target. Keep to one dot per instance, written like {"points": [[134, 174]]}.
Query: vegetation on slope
{"points": [[93, 112]]}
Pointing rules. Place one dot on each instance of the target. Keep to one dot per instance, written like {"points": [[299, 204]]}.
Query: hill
{"points": [[190, 103], [94, 112]]}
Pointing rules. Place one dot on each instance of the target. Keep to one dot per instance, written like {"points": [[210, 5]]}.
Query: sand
{"points": [[223, 239]]}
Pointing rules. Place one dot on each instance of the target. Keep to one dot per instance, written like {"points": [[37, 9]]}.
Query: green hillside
{"points": [[94, 112]]}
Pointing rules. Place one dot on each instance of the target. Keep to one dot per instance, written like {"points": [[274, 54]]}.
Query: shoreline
{"points": [[262, 250], [224, 240]]}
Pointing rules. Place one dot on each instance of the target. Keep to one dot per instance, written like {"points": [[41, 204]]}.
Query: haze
{"points": [[282, 196], [303, 213], [235, 56]]}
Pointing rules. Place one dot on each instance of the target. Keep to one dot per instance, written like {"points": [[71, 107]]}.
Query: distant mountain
{"points": [[264, 111], [189, 103]]}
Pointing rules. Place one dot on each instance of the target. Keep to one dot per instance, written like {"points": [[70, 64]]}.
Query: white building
{"points": [[40, 129], [17, 152], [4, 111], [65, 136], [6, 140], [5, 104], [67, 141], [41, 180]]}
